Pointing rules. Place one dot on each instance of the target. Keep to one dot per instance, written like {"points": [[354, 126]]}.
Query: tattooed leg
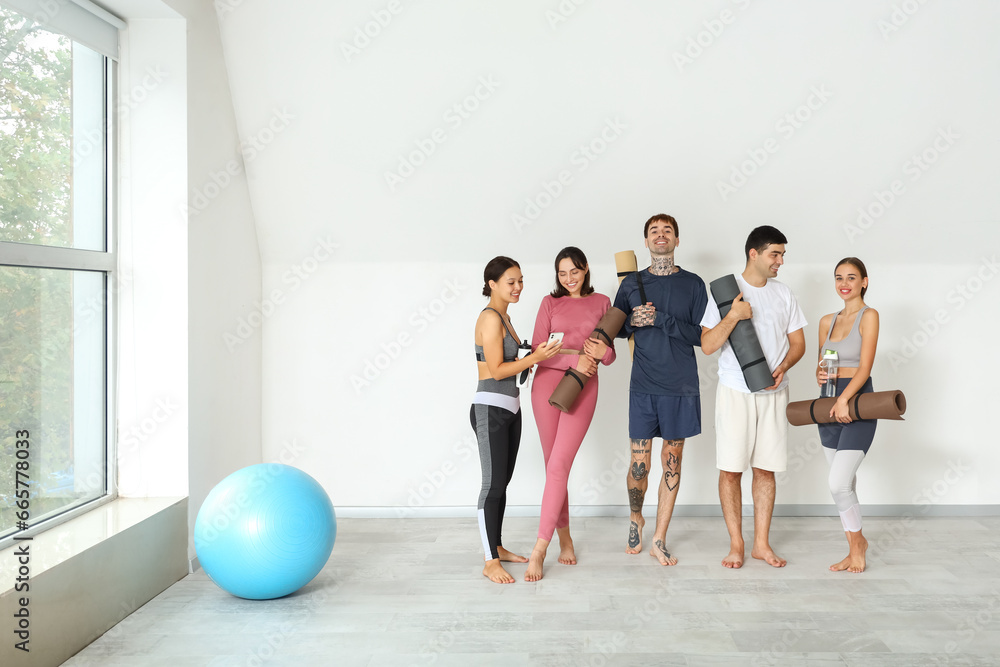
{"points": [[636, 481], [670, 456]]}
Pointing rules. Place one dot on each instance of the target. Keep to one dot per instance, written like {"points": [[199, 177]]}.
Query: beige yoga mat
{"points": [[625, 263], [565, 393], [873, 405]]}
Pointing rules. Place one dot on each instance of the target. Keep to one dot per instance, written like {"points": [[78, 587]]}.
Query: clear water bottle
{"points": [[830, 364]]}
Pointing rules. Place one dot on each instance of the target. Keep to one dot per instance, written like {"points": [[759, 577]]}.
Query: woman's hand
{"points": [[586, 365], [595, 348], [840, 411], [545, 351], [820, 375]]}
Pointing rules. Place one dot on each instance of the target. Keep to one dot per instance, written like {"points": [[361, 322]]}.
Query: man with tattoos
{"points": [[664, 304], [750, 427]]}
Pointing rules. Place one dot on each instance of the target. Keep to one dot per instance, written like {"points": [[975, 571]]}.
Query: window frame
{"points": [[28, 255]]}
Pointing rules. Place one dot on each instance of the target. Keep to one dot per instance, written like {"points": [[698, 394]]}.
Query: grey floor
{"points": [[409, 592]]}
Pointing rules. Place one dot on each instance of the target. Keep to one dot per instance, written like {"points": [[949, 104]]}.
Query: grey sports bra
{"points": [[849, 349], [510, 345]]}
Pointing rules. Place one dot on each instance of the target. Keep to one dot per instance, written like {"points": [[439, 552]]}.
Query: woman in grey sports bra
{"points": [[853, 334], [496, 408]]}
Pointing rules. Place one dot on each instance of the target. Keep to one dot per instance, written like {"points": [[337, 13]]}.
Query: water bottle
{"points": [[830, 365]]}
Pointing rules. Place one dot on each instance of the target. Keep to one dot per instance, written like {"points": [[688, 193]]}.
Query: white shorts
{"points": [[750, 430]]}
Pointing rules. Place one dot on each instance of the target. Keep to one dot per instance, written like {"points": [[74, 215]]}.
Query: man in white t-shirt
{"points": [[751, 428]]}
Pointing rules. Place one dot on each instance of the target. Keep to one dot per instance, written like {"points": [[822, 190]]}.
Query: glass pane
{"points": [[52, 138], [52, 392]]}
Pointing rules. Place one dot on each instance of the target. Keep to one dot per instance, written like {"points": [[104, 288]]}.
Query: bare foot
{"points": [[635, 536], [534, 571], [566, 554], [766, 554], [660, 553], [510, 557], [855, 561], [735, 558], [494, 572]]}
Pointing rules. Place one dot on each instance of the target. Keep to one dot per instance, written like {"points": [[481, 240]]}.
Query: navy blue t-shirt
{"points": [[664, 362]]}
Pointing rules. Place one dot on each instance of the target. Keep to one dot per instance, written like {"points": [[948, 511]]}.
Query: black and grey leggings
{"points": [[499, 433], [845, 446]]}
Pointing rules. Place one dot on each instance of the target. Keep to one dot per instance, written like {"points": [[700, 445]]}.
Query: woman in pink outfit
{"points": [[574, 310]]}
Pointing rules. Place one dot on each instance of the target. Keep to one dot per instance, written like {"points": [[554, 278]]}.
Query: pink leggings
{"points": [[561, 434]]}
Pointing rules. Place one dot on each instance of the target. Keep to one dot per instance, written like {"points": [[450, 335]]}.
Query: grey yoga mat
{"points": [[743, 338]]}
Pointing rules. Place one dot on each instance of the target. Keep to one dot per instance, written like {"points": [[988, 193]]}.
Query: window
{"points": [[57, 266]]}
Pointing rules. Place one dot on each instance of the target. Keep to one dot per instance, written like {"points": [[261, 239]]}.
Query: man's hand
{"points": [[778, 374], [740, 309], [643, 316]]}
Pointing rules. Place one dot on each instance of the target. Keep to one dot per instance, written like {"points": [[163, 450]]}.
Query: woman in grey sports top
{"points": [[853, 334], [496, 407]]}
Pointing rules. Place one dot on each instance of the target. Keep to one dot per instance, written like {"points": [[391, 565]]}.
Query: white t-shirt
{"points": [[776, 314]]}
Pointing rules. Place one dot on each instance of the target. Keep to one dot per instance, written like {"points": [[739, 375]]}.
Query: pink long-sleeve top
{"points": [[576, 318]]}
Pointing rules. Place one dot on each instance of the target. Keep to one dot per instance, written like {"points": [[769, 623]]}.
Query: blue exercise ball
{"points": [[265, 531]]}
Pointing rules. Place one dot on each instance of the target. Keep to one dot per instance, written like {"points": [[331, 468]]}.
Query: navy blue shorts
{"points": [[857, 435], [668, 417]]}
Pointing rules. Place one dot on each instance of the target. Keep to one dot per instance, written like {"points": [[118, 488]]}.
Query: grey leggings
{"points": [[844, 465]]}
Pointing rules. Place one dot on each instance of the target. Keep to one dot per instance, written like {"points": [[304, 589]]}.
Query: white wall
{"points": [[223, 271], [872, 87], [152, 379]]}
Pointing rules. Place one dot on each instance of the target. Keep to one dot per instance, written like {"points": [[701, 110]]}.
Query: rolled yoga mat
{"points": [[743, 338], [565, 393], [873, 405], [625, 264]]}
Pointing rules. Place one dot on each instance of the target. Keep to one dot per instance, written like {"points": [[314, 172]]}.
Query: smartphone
{"points": [[555, 336]]}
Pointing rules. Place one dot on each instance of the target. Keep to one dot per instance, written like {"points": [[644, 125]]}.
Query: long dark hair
{"points": [[859, 265], [580, 262], [496, 268]]}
